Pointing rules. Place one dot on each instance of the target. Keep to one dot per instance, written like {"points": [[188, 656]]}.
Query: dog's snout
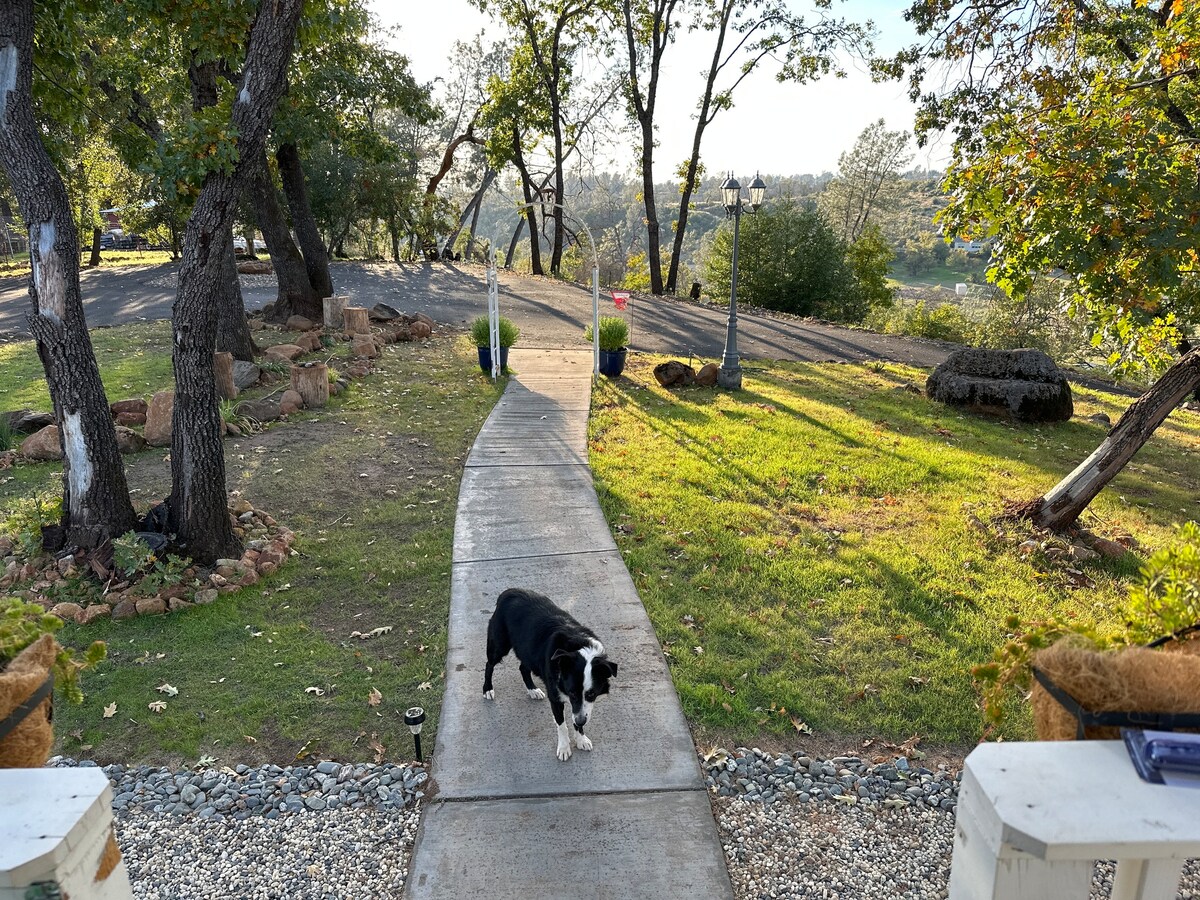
{"points": [[581, 719]]}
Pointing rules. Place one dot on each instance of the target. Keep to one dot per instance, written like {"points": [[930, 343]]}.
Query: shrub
{"points": [[8, 437], [27, 517], [1167, 599], [614, 333], [23, 623], [791, 260], [508, 332]]}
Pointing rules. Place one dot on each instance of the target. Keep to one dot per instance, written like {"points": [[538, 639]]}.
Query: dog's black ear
{"points": [[611, 666], [561, 654]]}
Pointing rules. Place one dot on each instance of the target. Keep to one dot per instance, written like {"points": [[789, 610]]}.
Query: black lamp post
{"points": [[730, 374]]}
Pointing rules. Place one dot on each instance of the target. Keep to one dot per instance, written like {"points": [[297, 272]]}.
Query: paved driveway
{"points": [[550, 313]]}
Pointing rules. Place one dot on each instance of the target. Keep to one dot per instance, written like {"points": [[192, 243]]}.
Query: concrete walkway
{"points": [[508, 820]]}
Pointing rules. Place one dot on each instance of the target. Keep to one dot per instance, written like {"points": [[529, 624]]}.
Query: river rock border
{"points": [[268, 545]]}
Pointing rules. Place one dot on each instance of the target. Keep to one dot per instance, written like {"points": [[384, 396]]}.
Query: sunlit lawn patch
{"points": [[808, 548]]}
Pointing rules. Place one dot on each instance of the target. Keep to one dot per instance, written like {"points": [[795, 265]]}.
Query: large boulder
{"points": [[245, 374], [673, 373], [158, 419], [27, 421], [135, 406], [381, 312], [283, 352], [1024, 385], [129, 441], [44, 445]]}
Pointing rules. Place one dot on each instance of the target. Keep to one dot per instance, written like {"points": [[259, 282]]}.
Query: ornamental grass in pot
{"points": [[614, 336], [482, 340], [32, 664]]}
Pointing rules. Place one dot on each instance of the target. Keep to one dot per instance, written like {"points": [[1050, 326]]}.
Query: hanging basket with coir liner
{"points": [[26, 697], [1082, 693]]}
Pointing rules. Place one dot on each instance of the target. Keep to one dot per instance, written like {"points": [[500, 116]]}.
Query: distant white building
{"points": [[968, 245]]}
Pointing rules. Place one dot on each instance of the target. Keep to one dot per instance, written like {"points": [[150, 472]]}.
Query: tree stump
{"points": [[333, 307], [356, 320], [223, 372], [312, 383]]}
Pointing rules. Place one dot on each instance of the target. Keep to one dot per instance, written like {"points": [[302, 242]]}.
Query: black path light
{"points": [[414, 718], [730, 374]]}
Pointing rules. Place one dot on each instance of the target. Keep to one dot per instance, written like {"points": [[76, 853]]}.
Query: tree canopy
{"points": [[1076, 143]]}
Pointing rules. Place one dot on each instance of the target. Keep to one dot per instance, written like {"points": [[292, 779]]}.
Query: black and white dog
{"points": [[550, 644]]}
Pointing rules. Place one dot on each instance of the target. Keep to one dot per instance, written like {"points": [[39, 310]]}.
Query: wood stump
{"points": [[223, 372], [312, 383], [333, 307], [355, 320]]}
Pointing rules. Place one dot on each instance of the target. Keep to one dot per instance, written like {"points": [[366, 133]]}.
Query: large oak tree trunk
{"points": [[94, 259], [295, 296], [96, 502], [535, 248], [198, 513], [295, 188], [1062, 505], [233, 331]]}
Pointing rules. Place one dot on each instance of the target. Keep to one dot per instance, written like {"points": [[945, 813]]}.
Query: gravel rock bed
{"points": [[796, 826], [329, 830]]}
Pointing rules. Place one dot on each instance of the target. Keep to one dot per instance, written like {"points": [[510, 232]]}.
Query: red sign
{"points": [[620, 298]]}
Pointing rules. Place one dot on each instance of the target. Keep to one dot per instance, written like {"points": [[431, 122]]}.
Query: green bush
{"points": [[790, 259], [26, 518], [1168, 597], [23, 623], [508, 332], [8, 437], [944, 323], [614, 333]]}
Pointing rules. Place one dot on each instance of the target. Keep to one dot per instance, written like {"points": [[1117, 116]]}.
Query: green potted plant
{"points": [[614, 336], [32, 664], [508, 336]]}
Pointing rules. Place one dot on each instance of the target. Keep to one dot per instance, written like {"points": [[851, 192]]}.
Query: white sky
{"points": [[774, 128]]}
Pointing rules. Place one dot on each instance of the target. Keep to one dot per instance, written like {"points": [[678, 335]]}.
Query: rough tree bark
{"points": [[197, 508], [1062, 505], [94, 259], [470, 211], [295, 188], [295, 296], [643, 109], [535, 249], [488, 177], [233, 331], [96, 502]]}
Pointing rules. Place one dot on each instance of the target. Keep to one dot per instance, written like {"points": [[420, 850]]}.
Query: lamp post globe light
{"points": [[730, 374]]}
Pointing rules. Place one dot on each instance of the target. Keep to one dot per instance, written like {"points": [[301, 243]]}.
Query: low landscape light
{"points": [[414, 718]]}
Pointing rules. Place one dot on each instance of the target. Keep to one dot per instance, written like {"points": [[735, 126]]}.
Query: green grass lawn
{"points": [[806, 548], [18, 266], [134, 360], [942, 275], [370, 485]]}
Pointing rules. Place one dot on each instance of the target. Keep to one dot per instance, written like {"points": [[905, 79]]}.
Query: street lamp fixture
{"points": [[730, 374]]}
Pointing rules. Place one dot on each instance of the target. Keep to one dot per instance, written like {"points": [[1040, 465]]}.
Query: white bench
{"points": [[1034, 817], [56, 831]]}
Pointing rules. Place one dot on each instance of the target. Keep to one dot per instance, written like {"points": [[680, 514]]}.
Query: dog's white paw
{"points": [[582, 741], [564, 749], [536, 694], [489, 695]]}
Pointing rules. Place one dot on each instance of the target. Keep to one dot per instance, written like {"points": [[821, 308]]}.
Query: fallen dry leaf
{"points": [[169, 689], [424, 686], [157, 706], [110, 710], [374, 698], [379, 749], [314, 690]]}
